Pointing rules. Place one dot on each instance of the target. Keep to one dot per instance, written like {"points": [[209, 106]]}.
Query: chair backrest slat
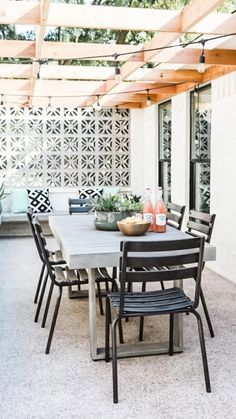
{"points": [[200, 223], [78, 205], [175, 215], [161, 275], [45, 252], [32, 227]]}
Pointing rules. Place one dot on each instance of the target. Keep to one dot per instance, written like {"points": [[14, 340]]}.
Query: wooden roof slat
{"points": [[117, 18], [19, 12], [216, 24], [191, 56]]}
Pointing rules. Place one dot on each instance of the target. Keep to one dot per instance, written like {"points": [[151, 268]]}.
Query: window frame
{"points": [[163, 161], [193, 162]]}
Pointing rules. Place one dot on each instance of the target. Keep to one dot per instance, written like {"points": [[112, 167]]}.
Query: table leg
{"points": [[178, 323], [92, 314]]}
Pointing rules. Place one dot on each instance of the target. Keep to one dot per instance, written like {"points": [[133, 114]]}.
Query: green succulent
{"points": [[110, 203], [116, 203]]}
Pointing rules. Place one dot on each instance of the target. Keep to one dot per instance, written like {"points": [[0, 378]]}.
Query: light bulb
{"points": [[117, 74], [201, 65], [149, 102]]}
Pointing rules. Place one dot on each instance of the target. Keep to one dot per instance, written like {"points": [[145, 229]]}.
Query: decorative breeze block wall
{"points": [[64, 147]]}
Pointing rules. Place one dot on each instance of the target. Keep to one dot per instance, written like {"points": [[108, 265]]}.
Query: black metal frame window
{"points": [[200, 149], [164, 149]]}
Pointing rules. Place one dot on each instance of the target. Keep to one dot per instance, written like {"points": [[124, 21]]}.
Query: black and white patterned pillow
{"points": [[39, 200], [86, 193]]}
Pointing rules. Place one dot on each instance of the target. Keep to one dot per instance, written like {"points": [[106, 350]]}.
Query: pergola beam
{"points": [[117, 18]]}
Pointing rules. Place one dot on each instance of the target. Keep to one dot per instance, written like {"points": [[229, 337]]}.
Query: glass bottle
{"points": [[160, 214], [148, 208]]}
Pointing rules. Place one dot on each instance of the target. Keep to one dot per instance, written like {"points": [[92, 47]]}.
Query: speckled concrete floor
{"points": [[68, 384]]}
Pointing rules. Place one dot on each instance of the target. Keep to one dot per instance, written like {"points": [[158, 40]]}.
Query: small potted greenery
{"points": [[3, 195], [112, 208]]}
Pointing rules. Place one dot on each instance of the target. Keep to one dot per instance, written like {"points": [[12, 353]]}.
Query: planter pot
{"points": [[108, 220]]}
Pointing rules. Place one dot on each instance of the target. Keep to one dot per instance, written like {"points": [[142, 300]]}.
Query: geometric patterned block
{"points": [[39, 200], [62, 147]]}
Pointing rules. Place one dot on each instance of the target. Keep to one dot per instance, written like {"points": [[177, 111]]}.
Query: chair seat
{"points": [[56, 257], [152, 302]]}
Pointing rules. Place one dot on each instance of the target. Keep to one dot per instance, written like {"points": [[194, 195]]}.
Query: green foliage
{"points": [[2, 191], [111, 203], [116, 203]]}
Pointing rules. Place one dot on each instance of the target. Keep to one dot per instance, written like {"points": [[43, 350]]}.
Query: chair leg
{"points": [[54, 319], [47, 305], [162, 285], [114, 361], [206, 314], [100, 298], [129, 289], [120, 331], [171, 334], [41, 298], [39, 284], [141, 321], [203, 350], [107, 329]]}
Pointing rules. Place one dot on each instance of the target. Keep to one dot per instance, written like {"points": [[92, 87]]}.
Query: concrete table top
{"points": [[85, 247]]}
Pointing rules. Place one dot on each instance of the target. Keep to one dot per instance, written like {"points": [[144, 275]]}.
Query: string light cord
{"points": [[115, 56], [89, 95]]}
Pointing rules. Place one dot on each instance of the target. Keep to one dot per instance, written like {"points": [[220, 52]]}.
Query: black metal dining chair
{"points": [[202, 224], [55, 258], [175, 215], [185, 259], [80, 206], [60, 276]]}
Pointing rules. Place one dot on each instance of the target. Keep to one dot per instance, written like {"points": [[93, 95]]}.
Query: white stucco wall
{"points": [[144, 150], [223, 163], [180, 150]]}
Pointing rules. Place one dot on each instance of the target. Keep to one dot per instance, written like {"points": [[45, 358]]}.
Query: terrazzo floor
{"points": [[68, 384]]}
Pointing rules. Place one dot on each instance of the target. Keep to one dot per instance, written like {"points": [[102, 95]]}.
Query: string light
{"points": [[97, 105], [149, 102], [202, 59], [89, 95], [117, 74], [117, 69], [195, 92], [117, 113]]}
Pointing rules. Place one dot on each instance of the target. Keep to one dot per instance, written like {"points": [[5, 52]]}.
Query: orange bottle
{"points": [[148, 209], [160, 214]]}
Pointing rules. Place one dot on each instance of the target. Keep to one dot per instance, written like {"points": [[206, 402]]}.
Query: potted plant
{"points": [[3, 195], [112, 208]]}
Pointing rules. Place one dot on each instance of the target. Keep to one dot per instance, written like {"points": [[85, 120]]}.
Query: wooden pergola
{"points": [[174, 69]]}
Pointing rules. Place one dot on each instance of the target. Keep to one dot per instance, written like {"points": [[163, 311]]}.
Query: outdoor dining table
{"points": [[83, 246]]}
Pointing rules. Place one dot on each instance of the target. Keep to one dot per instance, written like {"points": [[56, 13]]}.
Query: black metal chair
{"points": [[182, 265], [175, 215], [202, 224], [78, 206], [55, 258], [60, 276]]}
